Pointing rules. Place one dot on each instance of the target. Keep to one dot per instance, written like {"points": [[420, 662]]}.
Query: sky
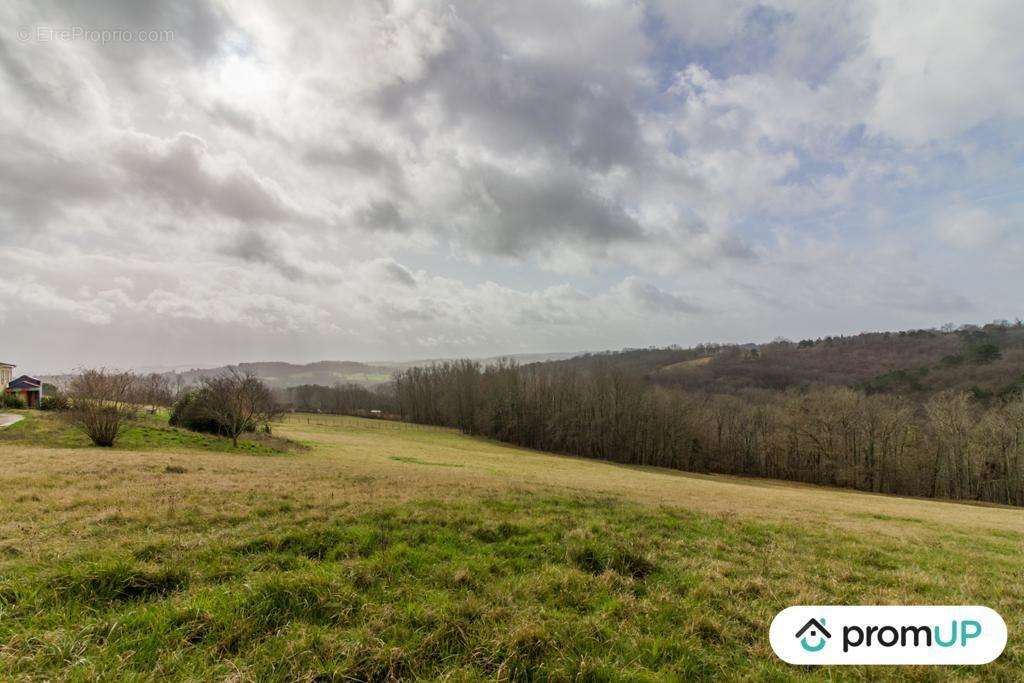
{"points": [[203, 182]]}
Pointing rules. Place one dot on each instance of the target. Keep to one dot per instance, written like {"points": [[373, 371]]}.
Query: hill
{"points": [[395, 551], [327, 373], [987, 361], [281, 375]]}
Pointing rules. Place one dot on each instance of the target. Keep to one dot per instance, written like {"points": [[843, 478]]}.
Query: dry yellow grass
{"points": [[50, 497], [685, 365]]}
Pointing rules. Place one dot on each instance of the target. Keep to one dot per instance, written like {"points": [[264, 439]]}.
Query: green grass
{"points": [[146, 432], [512, 588], [353, 561]]}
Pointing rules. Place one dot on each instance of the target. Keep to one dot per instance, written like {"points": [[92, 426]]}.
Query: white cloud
{"points": [[945, 67], [973, 227], [387, 178]]}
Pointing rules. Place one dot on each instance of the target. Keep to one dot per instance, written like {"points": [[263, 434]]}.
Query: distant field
{"points": [[388, 550], [685, 365]]}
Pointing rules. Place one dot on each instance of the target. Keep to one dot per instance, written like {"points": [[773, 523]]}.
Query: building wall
{"points": [[31, 397], [5, 377]]}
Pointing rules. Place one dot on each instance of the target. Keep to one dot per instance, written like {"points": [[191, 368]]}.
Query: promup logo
{"points": [[888, 635], [817, 630]]}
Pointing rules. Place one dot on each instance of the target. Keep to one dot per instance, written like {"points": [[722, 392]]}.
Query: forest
{"points": [[949, 446], [935, 413]]}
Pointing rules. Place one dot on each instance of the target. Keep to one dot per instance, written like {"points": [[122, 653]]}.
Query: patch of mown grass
{"points": [[147, 432], [515, 588]]}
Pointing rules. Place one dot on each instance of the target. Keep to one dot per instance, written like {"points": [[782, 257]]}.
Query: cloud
{"points": [[39, 183], [704, 24], [256, 248], [942, 70], [465, 177], [513, 214], [973, 227], [395, 272], [657, 300], [182, 172], [382, 214], [504, 79]]}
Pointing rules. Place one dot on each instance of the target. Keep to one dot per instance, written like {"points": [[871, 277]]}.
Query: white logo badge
{"points": [[887, 635]]}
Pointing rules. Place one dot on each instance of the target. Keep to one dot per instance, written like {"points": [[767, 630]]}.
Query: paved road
{"points": [[8, 420]]}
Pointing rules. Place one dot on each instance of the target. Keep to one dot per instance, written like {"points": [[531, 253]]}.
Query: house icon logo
{"points": [[817, 633]]}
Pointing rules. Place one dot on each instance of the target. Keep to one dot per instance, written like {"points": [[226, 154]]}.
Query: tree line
{"points": [[346, 399], [948, 446]]}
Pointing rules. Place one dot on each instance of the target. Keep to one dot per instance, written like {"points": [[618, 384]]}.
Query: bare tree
{"points": [[951, 417], [101, 404], [153, 390], [238, 402]]}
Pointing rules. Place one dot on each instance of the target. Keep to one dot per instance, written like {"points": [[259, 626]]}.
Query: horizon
{"points": [[203, 183], [189, 367]]}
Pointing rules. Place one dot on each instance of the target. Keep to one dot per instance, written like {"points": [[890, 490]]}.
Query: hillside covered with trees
{"points": [[986, 361], [936, 413]]}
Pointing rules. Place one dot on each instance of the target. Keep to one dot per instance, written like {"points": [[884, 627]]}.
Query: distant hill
{"points": [[281, 375], [987, 361], [521, 358]]}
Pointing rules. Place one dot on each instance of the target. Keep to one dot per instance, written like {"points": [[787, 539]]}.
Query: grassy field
{"points": [[387, 551], [147, 432]]}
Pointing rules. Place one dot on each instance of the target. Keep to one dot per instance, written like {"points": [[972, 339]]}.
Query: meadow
{"points": [[350, 549]]}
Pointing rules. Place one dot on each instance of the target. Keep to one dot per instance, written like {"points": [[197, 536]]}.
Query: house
{"points": [[6, 373], [28, 389]]}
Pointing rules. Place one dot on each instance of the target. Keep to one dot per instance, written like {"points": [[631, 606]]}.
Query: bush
{"points": [[187, 413], [984, 353], [11, 401], [228, 404], [56, 402], [101, 405]]}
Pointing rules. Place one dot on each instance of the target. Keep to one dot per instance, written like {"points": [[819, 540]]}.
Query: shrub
{"points": [[187, 413], [100, 404], [228, 404], [56, 403], [984, 353], [11, 401]]}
